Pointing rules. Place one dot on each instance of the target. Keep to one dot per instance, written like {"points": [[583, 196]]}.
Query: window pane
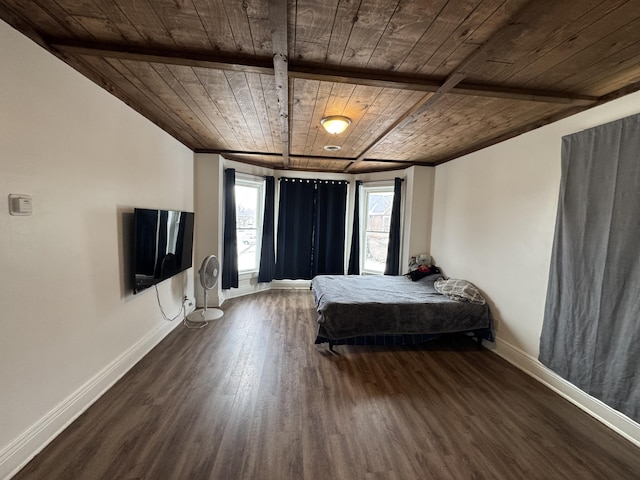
{"points": [[246, 226], [375, 251], [378, 215]]}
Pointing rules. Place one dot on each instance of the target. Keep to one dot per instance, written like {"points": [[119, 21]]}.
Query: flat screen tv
{"points": [[162, 245]]}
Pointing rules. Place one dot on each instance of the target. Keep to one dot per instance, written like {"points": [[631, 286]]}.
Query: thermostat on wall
{"points": [[20, 204]]}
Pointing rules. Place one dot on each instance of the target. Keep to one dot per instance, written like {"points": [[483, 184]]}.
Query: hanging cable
{"points": [[162, 310], [192, 325]]}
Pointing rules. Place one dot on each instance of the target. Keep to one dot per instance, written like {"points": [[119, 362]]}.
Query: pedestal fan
{"points": [[209, 271]]}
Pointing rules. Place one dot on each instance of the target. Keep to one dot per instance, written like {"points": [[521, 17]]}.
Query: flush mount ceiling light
{"points": [[332, 148], [335, 124]]}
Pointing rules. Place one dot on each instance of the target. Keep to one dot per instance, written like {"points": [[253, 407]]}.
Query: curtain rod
{"points": [[315, 180]]}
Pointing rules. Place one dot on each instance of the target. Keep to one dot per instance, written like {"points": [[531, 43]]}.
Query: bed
{"points": [[392, 310]]}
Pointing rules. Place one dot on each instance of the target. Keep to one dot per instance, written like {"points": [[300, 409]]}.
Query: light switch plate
{"points": [[20, 204]]}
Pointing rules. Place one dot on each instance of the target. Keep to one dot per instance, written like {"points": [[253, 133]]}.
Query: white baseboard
{"points": [[246, 289], [248, 286], [19, 452], [613, 419]]}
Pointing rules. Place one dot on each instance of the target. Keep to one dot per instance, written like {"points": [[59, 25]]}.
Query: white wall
{"points": [[208, 179], [418, 212], [494, 219], [69, 325]]}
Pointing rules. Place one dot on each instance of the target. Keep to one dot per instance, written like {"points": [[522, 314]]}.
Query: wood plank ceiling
{"points": [[422, 81]]}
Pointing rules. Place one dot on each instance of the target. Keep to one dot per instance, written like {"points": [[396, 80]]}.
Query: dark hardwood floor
{"points": [[251, 397]]}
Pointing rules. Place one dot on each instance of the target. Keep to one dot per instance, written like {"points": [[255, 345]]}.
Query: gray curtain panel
{"points": [[591, 330]]}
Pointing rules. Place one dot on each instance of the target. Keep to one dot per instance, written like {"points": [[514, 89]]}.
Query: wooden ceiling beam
{"points": [[498, 91], [186, 59], [273, 155], [279, 41], [310, 72], [430, 84], [240, 153]]}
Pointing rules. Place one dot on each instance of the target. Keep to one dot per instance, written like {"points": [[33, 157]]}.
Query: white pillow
{"points": [[459, 290]]}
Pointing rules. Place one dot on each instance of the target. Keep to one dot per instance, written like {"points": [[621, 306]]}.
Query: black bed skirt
{"points": [[400, 339]]}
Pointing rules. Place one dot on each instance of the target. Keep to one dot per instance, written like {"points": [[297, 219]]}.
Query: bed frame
{"points": [[392, 310]]}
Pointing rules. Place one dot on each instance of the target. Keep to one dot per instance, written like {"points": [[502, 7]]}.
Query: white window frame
{"points": [[367, 190], [245, 180]]}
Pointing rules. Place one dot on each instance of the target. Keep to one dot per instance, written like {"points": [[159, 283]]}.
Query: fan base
{"points": [[201, 315]]}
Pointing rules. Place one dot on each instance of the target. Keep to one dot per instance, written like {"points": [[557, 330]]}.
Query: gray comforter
{"points": [[353, 305]]}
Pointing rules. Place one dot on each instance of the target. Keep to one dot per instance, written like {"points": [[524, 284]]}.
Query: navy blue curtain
{"points": [[392, 267], [295, 229], [267, 250], [311, 228], [329, 229], [354, 255], [230, 246]]}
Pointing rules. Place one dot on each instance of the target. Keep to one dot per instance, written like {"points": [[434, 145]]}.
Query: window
{"points": [[249, 202], [377, 204]]}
